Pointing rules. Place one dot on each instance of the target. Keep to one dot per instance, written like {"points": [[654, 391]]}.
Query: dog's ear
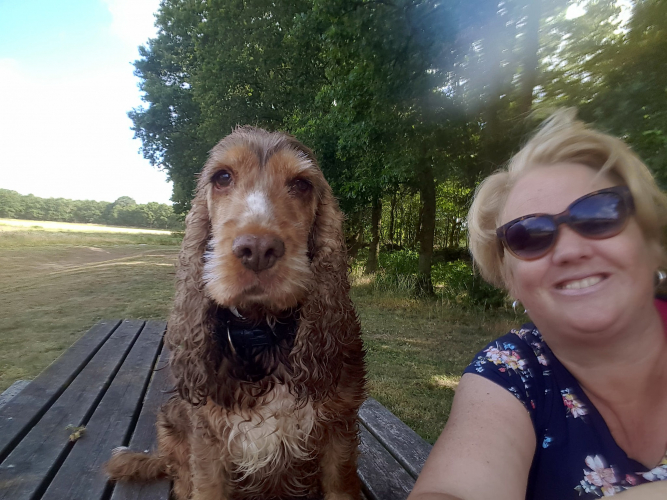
{"points": [[189, 331], [328, 320]]}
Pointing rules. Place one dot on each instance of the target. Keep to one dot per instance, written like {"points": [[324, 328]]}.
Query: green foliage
{"points": [[398, 272], [455, 282], [633, 100], [408, 103], [615, 76], [401, 262], [462, 286], [11, 204]]}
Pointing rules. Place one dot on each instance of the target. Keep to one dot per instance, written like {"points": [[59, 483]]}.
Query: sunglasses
{"points": [[598, 215]]}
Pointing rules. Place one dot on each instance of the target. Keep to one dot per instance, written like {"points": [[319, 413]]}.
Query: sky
{"points": [[66, 85]]}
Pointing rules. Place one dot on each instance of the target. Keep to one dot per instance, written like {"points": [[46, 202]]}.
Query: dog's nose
{"points": [[258, 253]]}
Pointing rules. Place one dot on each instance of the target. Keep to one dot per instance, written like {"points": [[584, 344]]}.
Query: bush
{"points": [[398, 272], [455, 282], [401, 262]]}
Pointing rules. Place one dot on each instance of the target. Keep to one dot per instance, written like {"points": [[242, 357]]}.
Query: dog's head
{"points": [[264, 233], [262, 192]]}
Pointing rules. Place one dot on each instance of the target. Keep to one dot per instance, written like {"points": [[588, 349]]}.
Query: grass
{"points": [[55, 285], [61, 234], [38, 238], [416, 351]]}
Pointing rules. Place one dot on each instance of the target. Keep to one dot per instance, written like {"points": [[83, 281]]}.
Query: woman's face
{"points": [[581, 285]]}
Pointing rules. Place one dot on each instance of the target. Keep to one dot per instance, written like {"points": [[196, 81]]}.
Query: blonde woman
{"points": [[573, 404]]}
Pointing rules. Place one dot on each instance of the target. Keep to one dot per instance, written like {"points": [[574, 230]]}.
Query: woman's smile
{"points": [[581, 283]]}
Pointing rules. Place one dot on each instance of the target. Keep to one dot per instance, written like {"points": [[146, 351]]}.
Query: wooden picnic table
{"points": [[112, 382]]}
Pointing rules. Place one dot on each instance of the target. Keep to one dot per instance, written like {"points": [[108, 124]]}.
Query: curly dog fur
{"points": [[263, 239]]}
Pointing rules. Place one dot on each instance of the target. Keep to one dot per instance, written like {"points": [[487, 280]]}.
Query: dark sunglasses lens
{"points": [[599, 216], [530, 238]]}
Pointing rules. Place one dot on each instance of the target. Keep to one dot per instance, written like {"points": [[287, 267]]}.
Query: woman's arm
{"points": [[486, 449]]}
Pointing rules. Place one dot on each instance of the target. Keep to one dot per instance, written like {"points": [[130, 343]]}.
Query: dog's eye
{"points": [[300, 186], [222, 179]]}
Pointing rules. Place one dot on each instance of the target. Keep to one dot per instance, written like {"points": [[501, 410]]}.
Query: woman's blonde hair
{"points": [[562, 139]]}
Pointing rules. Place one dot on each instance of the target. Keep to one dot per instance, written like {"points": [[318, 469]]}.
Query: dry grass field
{"points": [[54, 285]]}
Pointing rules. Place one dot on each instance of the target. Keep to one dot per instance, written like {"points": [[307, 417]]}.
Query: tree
{"points": [[168, 125], [58, 209], [632, 100], [89, 211], [382, 101], [398, 96], [33, 208], [11, 204], [614, 74], [577, 53], [214, 66]]}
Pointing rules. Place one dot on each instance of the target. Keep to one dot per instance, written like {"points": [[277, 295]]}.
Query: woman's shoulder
{"points": [[518, 362]]}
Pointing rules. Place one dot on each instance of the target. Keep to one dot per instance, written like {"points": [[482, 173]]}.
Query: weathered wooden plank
{"points": [[81, 476], [401, 441], [33, 401], [382, 476], [144, 437], [26, 471], [12, 391]]}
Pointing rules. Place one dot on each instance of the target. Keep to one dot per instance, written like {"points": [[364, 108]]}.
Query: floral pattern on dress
{"points": [[533, 338], [506, 357], [599, 479], [509, 358], [523, 334], [658, 473], [575, 408]]}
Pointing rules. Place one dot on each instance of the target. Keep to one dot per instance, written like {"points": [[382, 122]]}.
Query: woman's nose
{"points": [[571, 246]]}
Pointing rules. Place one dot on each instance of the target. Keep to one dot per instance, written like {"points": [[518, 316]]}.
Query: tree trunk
{"points": [[373, 251], [418, 227], [355, 243], [391, 218], [427, 230], [401, 238], [530, 55]]}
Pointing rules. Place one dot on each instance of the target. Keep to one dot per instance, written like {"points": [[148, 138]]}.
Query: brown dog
{"points": [[265, 343]]}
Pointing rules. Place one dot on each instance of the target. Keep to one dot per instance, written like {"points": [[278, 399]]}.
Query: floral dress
{"points": [[576, 455]]}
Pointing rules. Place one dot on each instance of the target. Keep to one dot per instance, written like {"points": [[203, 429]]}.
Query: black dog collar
{"points": [[247, 338]]}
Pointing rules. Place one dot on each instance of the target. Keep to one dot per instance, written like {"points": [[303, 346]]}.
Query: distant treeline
{"points": [[122, 212]]}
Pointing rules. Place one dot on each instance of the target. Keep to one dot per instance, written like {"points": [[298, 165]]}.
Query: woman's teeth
{"points": [[584, 283]]}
